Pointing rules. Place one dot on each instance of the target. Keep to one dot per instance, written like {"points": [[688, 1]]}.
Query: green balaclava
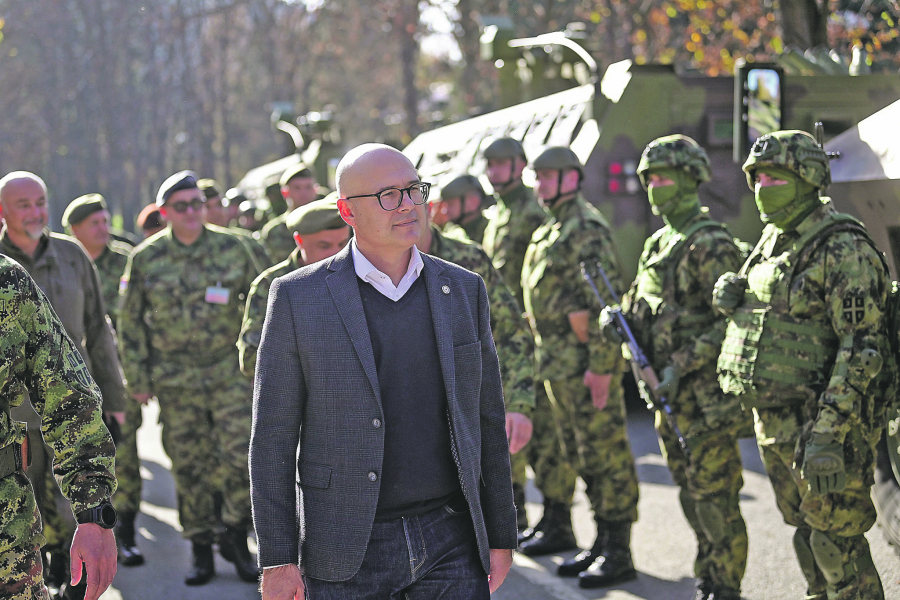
{"points": [[784, 205], [681, 159]]}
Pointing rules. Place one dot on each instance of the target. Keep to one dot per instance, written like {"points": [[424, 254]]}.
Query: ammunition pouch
{"points": [[14, 458]]}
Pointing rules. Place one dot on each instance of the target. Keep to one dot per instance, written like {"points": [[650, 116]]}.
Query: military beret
{"points": [[316, 216], [183, 180], [298, 170], [209, 187], [82, 207]]}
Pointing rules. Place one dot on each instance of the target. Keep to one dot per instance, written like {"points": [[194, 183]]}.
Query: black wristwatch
{"points": [[103, 515]]}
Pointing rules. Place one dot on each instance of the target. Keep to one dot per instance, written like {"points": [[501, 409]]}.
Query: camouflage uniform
{"points": [[256, 247], [594, 442], [40, 362], [507, 235], [669, 309], [180, 314], [804, 348], [255, 310], [65, 273], [475, 228], [277, 240]]}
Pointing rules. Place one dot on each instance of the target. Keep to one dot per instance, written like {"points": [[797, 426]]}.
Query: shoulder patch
{"points": [[854, 308]]}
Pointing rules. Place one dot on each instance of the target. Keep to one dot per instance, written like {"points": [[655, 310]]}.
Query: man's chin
{"points": [[35, 234]]}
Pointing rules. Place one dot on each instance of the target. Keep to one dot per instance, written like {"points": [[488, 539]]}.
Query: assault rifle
{"points": [[640, 366]]}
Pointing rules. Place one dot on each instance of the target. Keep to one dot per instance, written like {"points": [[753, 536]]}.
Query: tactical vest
{"points": [[764, 344], [672, 325]]}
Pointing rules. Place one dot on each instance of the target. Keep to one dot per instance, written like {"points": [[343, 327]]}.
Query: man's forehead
{"points": [[186, 194], [23, 189], [375, 175]]}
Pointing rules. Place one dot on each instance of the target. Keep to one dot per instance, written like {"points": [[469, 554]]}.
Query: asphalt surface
{"points": [[663, 544]]}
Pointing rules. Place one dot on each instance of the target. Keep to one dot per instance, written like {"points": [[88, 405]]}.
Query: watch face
{"points": [[107, 516]]}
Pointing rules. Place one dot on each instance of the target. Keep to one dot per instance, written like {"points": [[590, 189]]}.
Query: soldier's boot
{"points": [[519, 501], [129, 554], [725, 593], [584, 559], [204, 567], [703, 589], [555, 533], [614, 565], [528, 533], [233, 547]]}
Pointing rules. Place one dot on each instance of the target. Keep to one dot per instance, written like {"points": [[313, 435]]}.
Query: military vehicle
{"points": [[607, 121]]}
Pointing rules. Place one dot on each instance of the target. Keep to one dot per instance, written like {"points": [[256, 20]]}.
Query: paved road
{"points": [[663, 547]]}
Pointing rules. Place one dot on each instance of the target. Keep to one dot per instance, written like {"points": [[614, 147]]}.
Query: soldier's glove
{"points": [[668, 384], [823, 464], [608, 329], [728, 293]]}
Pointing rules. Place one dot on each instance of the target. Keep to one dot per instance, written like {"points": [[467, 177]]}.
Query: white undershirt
{"points": [[366, 271]]}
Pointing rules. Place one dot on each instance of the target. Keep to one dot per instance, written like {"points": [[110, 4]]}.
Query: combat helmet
{"points": [[504, 147], [791, 150], [460, 186], [558, 158], [677, 152]]}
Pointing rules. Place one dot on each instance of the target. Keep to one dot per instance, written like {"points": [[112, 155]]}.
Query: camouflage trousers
{"points": [[590, 443], [206, 434], [20, 541], [710, 485], [842, 517], [127, 498]]}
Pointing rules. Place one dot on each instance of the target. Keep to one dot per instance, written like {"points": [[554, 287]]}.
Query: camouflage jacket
{"points": [[181, 307], [475, 228], [259, 252], [255, 310], [508, 234], [844, 270], [110, 266], [278, 241], [669, 308], [37, 356], [553, 288], [515, 345], [65, 273]]}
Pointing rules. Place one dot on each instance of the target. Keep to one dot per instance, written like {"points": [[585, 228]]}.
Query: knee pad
{"points": [[711, 520], [828, 557], [804, 554]]}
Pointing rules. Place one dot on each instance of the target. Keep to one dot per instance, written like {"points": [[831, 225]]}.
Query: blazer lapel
{"points": [[440, 299], [345, 293]]}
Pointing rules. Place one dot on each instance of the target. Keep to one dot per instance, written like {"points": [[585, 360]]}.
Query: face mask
{"points": [[774, 198], [660, 196]]}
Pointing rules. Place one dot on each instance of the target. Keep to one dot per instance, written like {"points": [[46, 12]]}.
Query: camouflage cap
{"points": [[182, 180], [82, 207], [316, 216], [460, 186], [674, 152], [558, 158], [791, 150], [209, 187], [505, 147], [298, 170]]}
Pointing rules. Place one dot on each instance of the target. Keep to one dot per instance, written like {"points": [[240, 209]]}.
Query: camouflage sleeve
{"points": [[514, 342], [100, 341], [69, 402], [706, 260], [856, 289], [593, 244], [252, 325], [134, 339]]}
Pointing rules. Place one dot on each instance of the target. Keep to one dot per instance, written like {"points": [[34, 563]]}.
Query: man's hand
{"points": [[728, 293], [117, 416], [284, 583], [599, 386], [142, 397], [501, 561], [95, 548], [518, 431], [823, 465]]}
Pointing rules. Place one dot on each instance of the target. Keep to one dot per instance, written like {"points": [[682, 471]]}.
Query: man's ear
{"points": [[284, 192], [163, 213], [346, 211], [297, 239]]}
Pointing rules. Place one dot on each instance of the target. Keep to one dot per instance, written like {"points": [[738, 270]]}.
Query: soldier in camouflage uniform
{"points": [[298, 187], [88, 219], [465, 195], [319, 232], [38, 361], [669, 308], [182, 298], [805, 347], [581, 370], [218, 219]]}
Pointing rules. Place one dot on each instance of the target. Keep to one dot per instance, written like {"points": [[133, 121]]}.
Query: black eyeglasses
{"points": [[182, 205], [392, 198]]}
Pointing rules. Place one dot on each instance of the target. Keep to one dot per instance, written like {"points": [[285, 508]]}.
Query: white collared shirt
{"points": [[366, 271]]}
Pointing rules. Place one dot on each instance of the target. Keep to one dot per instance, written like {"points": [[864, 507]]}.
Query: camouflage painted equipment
{"points": [[558, 158], [793, 150], [674, 152], [460, 187], [505, 147]]}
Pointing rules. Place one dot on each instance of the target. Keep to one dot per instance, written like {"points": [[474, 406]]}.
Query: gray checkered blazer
{"points": [[316, 395]]}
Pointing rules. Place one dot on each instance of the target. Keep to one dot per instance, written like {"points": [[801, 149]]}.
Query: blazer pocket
{"points": [[313, 475]]}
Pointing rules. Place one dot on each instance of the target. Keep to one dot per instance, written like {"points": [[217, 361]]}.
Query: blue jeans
{"points": [[427, 557]]}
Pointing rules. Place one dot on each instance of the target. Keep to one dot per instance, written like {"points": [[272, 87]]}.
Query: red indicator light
{"points": [[615, 168], [615, 186]]}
